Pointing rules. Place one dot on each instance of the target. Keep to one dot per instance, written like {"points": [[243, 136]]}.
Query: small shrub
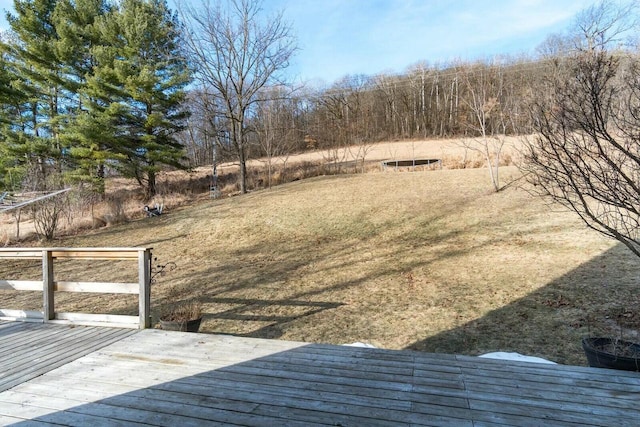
{"points": [[182, 311], [46, 217]]}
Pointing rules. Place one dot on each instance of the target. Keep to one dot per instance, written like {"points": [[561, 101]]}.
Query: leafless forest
{"points": [[481, 99]]}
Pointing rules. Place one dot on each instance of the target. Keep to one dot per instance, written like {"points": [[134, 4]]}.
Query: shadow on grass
{"points": [[598, 298], [293, 310], [268, 288]]}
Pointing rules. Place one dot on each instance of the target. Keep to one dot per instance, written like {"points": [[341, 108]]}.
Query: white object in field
{"points": [[360, 344], [5, 208], [156, 211], [517, 357]]}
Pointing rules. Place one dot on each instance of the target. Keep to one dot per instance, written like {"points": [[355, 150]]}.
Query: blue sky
{"points": [[346, 37], [339, 37]]}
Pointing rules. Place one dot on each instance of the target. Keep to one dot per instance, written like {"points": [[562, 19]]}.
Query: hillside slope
{"points": [[432, 261]]}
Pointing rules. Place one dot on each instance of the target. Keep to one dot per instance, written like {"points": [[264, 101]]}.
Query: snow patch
{"points": [[360, 344], [516, 356]]}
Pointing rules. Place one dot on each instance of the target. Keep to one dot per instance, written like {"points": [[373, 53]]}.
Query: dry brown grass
{"points": [[125, 199], [431, 260]]}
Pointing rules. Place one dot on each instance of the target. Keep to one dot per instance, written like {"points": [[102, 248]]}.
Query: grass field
{"points": [[433, 261]]}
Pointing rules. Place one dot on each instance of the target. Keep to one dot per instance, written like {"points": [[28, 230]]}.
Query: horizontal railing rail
{"points": [[48, 285]]}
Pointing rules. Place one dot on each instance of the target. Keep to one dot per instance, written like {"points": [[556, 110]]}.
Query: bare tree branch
{"points": [[237, 54], [586, 155]]}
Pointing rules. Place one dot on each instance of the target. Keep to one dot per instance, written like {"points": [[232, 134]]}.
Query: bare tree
{"points": [[236, 54], [46, 217], [485, 100], [605, 24], [334, 128], [586, 155], [275, 129]]}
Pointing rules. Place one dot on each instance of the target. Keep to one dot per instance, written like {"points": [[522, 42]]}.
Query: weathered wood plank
{"points": [[87, 411], [35, 349], [30, 338], [97, 254], [13, 253], [52, 416], [130, 409], [230, 384], [338, 367], [93, 324], [309, 408], [490, 419], [98, 319], [494, 367], [232, 388], [5, 251], [621, 397], [96, 287], [22, 354], [83, 253], [163, 378], [216, 348], [21, 332], [561, 378], [144, 288], [5, 421], [10, 328], [554, 409], [49, 286], [190, 409], [129, 373], [21, 285], [77, 337], [48, 308], [615, 399], [285, 387], [201, 353], [24, 315], [349, 401], [551, 416]]}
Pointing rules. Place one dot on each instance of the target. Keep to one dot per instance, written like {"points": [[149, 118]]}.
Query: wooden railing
{"points": [[49, 286]]}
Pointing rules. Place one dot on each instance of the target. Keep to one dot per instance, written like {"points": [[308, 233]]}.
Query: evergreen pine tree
{"points": [[137, 87], [79, 36], [13, 159], [35, 139]]}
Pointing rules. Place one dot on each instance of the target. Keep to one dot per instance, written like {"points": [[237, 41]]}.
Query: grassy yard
{"points": [[432, 261]]}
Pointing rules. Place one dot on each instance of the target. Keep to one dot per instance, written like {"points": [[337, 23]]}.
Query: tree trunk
{"points": [[243, 169], [151, 190]]}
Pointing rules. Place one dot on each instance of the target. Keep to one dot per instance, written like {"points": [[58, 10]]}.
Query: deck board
{"points": [[164, 378], [29, 350]]}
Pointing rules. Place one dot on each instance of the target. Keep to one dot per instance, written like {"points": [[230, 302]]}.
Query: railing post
{"points": [[48, 309], [144, 279]]}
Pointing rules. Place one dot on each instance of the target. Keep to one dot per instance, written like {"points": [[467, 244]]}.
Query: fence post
{"points": [[144, 280], [48, 308]]}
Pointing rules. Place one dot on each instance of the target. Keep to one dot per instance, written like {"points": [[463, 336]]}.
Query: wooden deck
{"points": [[28, 350], [154, 377]]}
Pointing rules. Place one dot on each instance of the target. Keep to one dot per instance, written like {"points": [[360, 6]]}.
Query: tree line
{"points": [[472, 99]]}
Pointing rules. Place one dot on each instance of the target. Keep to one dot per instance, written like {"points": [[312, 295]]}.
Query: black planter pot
{"points": [[602, 359], [181, 325]]}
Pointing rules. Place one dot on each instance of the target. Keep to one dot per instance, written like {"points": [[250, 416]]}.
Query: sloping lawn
{"points": [[432, 260]]}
